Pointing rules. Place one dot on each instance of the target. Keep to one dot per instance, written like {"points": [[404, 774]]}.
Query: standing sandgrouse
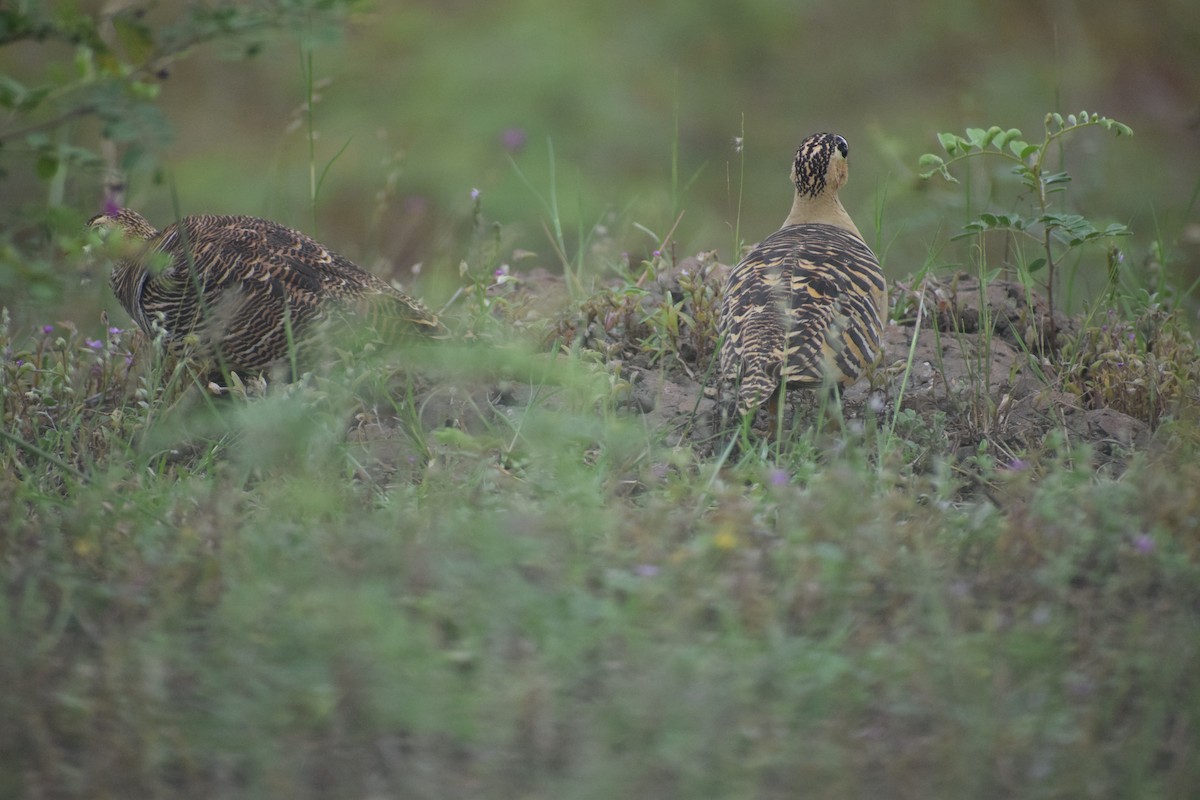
{"points": [[242, 288], [807, 305]]}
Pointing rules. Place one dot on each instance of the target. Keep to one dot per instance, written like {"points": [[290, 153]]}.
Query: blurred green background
{"points": [[418, 103]]}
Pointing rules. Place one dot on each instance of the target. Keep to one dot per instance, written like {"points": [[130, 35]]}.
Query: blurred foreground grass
{"points": [[320, 592]]}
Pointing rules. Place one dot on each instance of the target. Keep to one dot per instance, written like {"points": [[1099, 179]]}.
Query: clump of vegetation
{"points": [[69, 399], [1145, 366]]}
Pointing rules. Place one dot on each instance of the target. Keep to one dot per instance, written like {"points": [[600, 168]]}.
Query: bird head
{"points": [[132, 225], [123, 237], [820, 164]]}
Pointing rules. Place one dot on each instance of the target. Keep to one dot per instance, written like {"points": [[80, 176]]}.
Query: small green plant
{"points": [[684, 321], [1056, 232]]}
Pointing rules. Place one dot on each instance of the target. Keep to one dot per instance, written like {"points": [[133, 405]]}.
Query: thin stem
{"points": [[1052, 334], [1044, 204], [737, 221], [67, 116], [306, 63]]}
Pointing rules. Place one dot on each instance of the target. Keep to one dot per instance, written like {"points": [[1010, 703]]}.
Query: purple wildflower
{"points": [[779, 477], [475, 194], [1144, 543], [1018, 465], [115, 331], [47, 329], [646, 570], [513, 139], [95, 344]]}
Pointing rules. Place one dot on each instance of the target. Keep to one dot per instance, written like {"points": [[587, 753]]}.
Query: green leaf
{"points": [[948, 141], [1017, 146], [993, 133], [1028, 150], [1071, 120], [977, 137], [11, 92], [931, 163], [134, 37], [1036, 264], [1006, 137], [47, 166]]}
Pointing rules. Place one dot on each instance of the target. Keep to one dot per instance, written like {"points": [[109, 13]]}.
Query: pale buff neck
{"points": [[825, 208]]}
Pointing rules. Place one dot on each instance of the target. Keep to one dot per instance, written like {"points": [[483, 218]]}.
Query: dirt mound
{"points": [[972, 359]]}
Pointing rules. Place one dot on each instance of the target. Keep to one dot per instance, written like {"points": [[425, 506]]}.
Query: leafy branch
{"points": [[1056, 233], [108, 65]]}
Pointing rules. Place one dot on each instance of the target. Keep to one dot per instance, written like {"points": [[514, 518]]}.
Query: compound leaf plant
{"points": [[1056, 232]]}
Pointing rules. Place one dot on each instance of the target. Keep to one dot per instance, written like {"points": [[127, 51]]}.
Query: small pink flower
{"points": [[513, 139]]}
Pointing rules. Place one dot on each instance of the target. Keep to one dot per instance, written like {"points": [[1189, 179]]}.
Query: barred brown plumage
{"points": [[807, 305], [241, 288]]}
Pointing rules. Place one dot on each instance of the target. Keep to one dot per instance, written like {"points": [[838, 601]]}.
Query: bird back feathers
{"points": [[802, 308]]}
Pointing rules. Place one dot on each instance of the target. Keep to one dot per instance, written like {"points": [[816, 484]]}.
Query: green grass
{"points": [[322, 591]]}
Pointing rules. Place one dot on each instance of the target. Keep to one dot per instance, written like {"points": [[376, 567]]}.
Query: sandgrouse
{"points": [[241, 290], [807, 305]]}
